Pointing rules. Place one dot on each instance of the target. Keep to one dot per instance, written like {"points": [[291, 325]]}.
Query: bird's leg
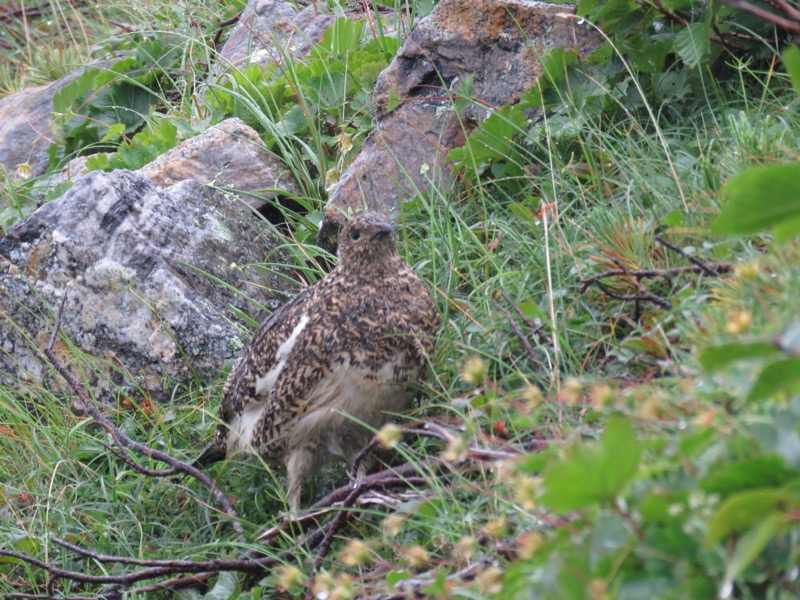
{"points": [[298, 465], [361, 470]]}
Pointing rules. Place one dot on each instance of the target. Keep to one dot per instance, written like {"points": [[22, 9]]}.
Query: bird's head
{"points": [[367, 239]]}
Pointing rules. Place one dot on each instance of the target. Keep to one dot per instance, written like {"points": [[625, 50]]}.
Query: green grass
{"points": [[599, 514]]}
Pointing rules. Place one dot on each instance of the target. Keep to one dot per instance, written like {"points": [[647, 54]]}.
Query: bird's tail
{"points": [[210, 454]]}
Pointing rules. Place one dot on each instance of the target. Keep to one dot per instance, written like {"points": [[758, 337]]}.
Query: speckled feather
{"points": [[355, 342]]}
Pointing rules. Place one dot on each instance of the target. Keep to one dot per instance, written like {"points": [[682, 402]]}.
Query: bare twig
{"points": [[341, 501], [709, 269], [650, 273], [761, 13], [222, 25], [126, 458], [123, 441], [339, 521]]}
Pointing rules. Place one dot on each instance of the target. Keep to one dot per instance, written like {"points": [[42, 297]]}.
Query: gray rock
{"points": [[229, 154], [500, 43], [269, 29], [154, 279]]}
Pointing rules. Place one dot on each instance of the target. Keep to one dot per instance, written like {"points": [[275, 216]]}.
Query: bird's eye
{"points": [[355, 235]]}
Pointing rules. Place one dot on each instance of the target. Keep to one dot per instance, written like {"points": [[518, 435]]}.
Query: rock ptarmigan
{"points": [[346, 351]]}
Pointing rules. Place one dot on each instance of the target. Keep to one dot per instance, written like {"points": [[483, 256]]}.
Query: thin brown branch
{"points": [[159, 568], [126, 458], [177, 582], [788, 9], [339, 521], [222, 25], [642, 296], [718, 38], [650, 273], [759, 12], [123, 441], [707, 268]]}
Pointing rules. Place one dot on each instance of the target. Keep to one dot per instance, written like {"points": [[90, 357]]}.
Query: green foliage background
{"points": [[671, 467]]}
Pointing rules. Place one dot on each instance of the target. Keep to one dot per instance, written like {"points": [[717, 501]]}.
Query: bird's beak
{"points": [[383, 229]]}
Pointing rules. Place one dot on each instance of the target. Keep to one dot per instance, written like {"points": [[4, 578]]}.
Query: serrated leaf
{"points": [[114, 132], [714, 358], [759, 199], [594, 472], [744, 510], [791, 60], [693, 44], [778, 377], [492, 141]]}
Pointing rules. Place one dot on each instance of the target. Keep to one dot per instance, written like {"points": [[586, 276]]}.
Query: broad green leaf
{"points": [[744, 510], [778, 377], [594, 472], [693, 44], [23, 544], [788, 228], [753, 473], [750, 545], [612, 12], [226, 588], [791, 60], [760, 198], [492, 141], [395, 577], [714, 358]]}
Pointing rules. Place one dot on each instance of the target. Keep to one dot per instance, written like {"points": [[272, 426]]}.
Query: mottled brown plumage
{"points": [[346, 350]]}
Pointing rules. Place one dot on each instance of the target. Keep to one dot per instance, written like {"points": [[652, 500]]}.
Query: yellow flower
{"points": [[473, 370], [739, 321], [389, 435], [355, 554], [466, 547], [747, 270], [289, 577], [416, 556], [393, 524]]}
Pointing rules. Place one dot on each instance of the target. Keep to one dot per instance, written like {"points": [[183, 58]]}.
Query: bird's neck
{"points": [[372, 267]]}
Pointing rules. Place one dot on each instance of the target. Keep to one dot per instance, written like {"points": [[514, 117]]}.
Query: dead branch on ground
{"points": [[637, 277]]}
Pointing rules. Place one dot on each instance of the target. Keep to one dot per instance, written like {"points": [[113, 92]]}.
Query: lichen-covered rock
{"points": [[499, 43], [229, 155], [155, 281]]}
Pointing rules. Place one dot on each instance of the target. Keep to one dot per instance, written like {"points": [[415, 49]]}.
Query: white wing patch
{"points": [[267, 382], [243, 426]]}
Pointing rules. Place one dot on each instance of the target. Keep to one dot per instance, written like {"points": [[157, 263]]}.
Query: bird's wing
{"points": [[259, 354]]}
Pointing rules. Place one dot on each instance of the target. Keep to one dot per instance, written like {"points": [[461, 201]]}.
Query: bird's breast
{"points": [[353, 393]]}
